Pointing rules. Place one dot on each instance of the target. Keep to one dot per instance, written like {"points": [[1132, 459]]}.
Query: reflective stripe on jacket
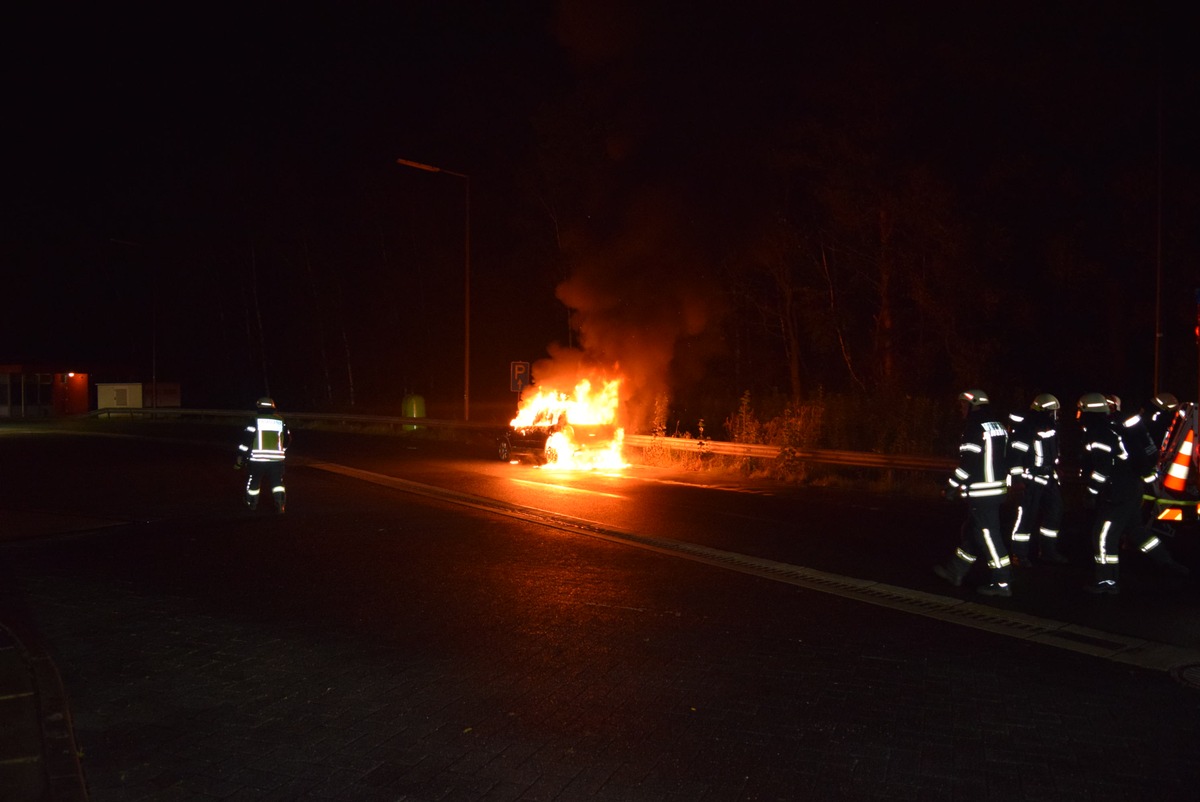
{"points": [[266, 440], [983, 458], [1112, 472], [1034, 447]]}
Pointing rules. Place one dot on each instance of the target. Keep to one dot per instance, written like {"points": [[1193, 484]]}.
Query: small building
{"points": [[135, 395], [118, 395], [42, 391]]}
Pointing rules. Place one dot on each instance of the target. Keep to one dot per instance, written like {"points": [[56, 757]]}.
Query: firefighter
{"points": [[265, 448], [982, 480], [1034, 450], [1121, 460], [1158, 419]]}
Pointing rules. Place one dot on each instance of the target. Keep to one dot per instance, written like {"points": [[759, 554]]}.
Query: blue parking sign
{"points": [[518, 376]]}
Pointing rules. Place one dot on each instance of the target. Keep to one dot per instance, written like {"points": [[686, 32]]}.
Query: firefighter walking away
{"points": [[981, 479], [264, 448], [1034, 452]]}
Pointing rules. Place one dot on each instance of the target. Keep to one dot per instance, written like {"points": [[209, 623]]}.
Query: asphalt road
{"points": [[431, 624]]}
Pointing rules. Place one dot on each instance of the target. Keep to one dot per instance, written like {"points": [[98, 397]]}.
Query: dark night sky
{"points": [[163, 161]]}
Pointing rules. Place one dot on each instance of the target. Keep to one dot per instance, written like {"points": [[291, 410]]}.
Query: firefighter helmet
{"points": [[1045, 401], [1166, 402], [976, 398], [1093, 402], [1114, 402], [265, 403]]}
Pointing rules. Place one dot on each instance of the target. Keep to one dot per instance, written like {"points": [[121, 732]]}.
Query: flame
{"points": [[546, 406], [568, 447]]}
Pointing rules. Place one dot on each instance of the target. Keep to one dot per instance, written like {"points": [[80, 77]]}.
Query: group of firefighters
{"points": [[1134, 466]]}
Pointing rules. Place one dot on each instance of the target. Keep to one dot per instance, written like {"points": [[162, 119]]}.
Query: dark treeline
{"points": [[885, 211], [867, 204]]}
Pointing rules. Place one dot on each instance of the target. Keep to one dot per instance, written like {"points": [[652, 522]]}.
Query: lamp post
{"points": [[153, 324], [466, 279]]}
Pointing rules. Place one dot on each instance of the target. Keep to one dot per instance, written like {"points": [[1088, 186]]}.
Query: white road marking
{"points": [[1109, 646]]}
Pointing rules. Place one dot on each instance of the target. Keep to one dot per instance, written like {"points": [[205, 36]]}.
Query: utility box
{"points": [[126, 395]]}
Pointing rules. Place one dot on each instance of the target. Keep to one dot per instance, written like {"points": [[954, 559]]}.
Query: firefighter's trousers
{"points": [[268, 474], [1115, 518], [1042, 507], [982, 538]]}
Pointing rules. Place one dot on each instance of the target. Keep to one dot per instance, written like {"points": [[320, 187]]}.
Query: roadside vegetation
{"points": [[905, 426]]}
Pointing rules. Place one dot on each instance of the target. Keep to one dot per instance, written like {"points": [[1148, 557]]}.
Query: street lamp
{"points": [[466, 280], [153, 324]]}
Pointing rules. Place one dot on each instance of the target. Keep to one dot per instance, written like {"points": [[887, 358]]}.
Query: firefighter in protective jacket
{"points": [[982, 480], [1034, 449], [1159, 417], [1121, 459], [265, 449]]}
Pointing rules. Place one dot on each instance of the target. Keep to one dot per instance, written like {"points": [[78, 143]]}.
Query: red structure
{"points": [[40, 391]]}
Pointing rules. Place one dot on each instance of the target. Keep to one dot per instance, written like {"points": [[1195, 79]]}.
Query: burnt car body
{"points": [[533, 442]]}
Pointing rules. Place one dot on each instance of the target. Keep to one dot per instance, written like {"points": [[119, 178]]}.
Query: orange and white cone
{"points": [[1177, 474]]}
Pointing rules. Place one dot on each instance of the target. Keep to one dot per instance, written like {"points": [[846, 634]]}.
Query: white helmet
{"points": [[1166, 401], [1093, 402], [976, 398], [265, 403], [1045, 401]]}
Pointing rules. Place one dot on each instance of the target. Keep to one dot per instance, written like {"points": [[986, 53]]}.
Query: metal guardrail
{"points": [[860, 459], [317, 417]]}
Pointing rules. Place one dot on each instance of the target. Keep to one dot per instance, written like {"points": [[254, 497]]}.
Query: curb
{"points": [[41, 760]]}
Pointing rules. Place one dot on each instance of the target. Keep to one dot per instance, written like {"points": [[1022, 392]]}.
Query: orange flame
{"points": [[585, 433]]}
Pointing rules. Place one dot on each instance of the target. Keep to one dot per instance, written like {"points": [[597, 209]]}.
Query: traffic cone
{"points": [[1177, 474]]}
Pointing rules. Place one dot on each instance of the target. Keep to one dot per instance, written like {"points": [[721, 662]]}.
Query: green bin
{"points": [[414, 407]]}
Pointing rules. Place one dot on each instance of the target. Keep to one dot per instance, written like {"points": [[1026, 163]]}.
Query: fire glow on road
{"points": [[1014, 624], [567, 487]]}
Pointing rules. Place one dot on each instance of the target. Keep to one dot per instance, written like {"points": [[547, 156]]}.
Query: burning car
{"points": [[557, 430], [555, 444]]}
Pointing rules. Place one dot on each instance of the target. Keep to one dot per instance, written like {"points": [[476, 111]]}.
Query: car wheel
{"points": [[504, 451]]}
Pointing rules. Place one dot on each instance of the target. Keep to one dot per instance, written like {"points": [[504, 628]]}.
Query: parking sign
{"points": [[518, 376]]}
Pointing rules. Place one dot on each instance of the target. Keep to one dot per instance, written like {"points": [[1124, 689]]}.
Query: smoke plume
{"points": [[643, 302]]}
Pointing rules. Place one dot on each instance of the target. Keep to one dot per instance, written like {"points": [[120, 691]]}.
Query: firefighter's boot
{"points": [[1164, 561], [1050, 553], [952, 571]]}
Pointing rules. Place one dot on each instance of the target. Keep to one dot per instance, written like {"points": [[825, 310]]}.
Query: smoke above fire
{"points": [[643, 302], [642, 288]]}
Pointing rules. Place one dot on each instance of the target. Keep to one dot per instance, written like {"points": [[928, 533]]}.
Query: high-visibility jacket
{"points": [[982, 457], [266, 439], [1033, 446], [1143, 452], [1114, 469], [1158, 424]]}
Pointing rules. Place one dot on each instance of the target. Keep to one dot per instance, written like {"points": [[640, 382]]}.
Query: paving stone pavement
{"points": [[176, 702], [368, 648]]}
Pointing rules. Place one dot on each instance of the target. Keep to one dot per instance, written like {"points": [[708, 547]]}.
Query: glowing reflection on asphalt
{"points": [[567, 487]]}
